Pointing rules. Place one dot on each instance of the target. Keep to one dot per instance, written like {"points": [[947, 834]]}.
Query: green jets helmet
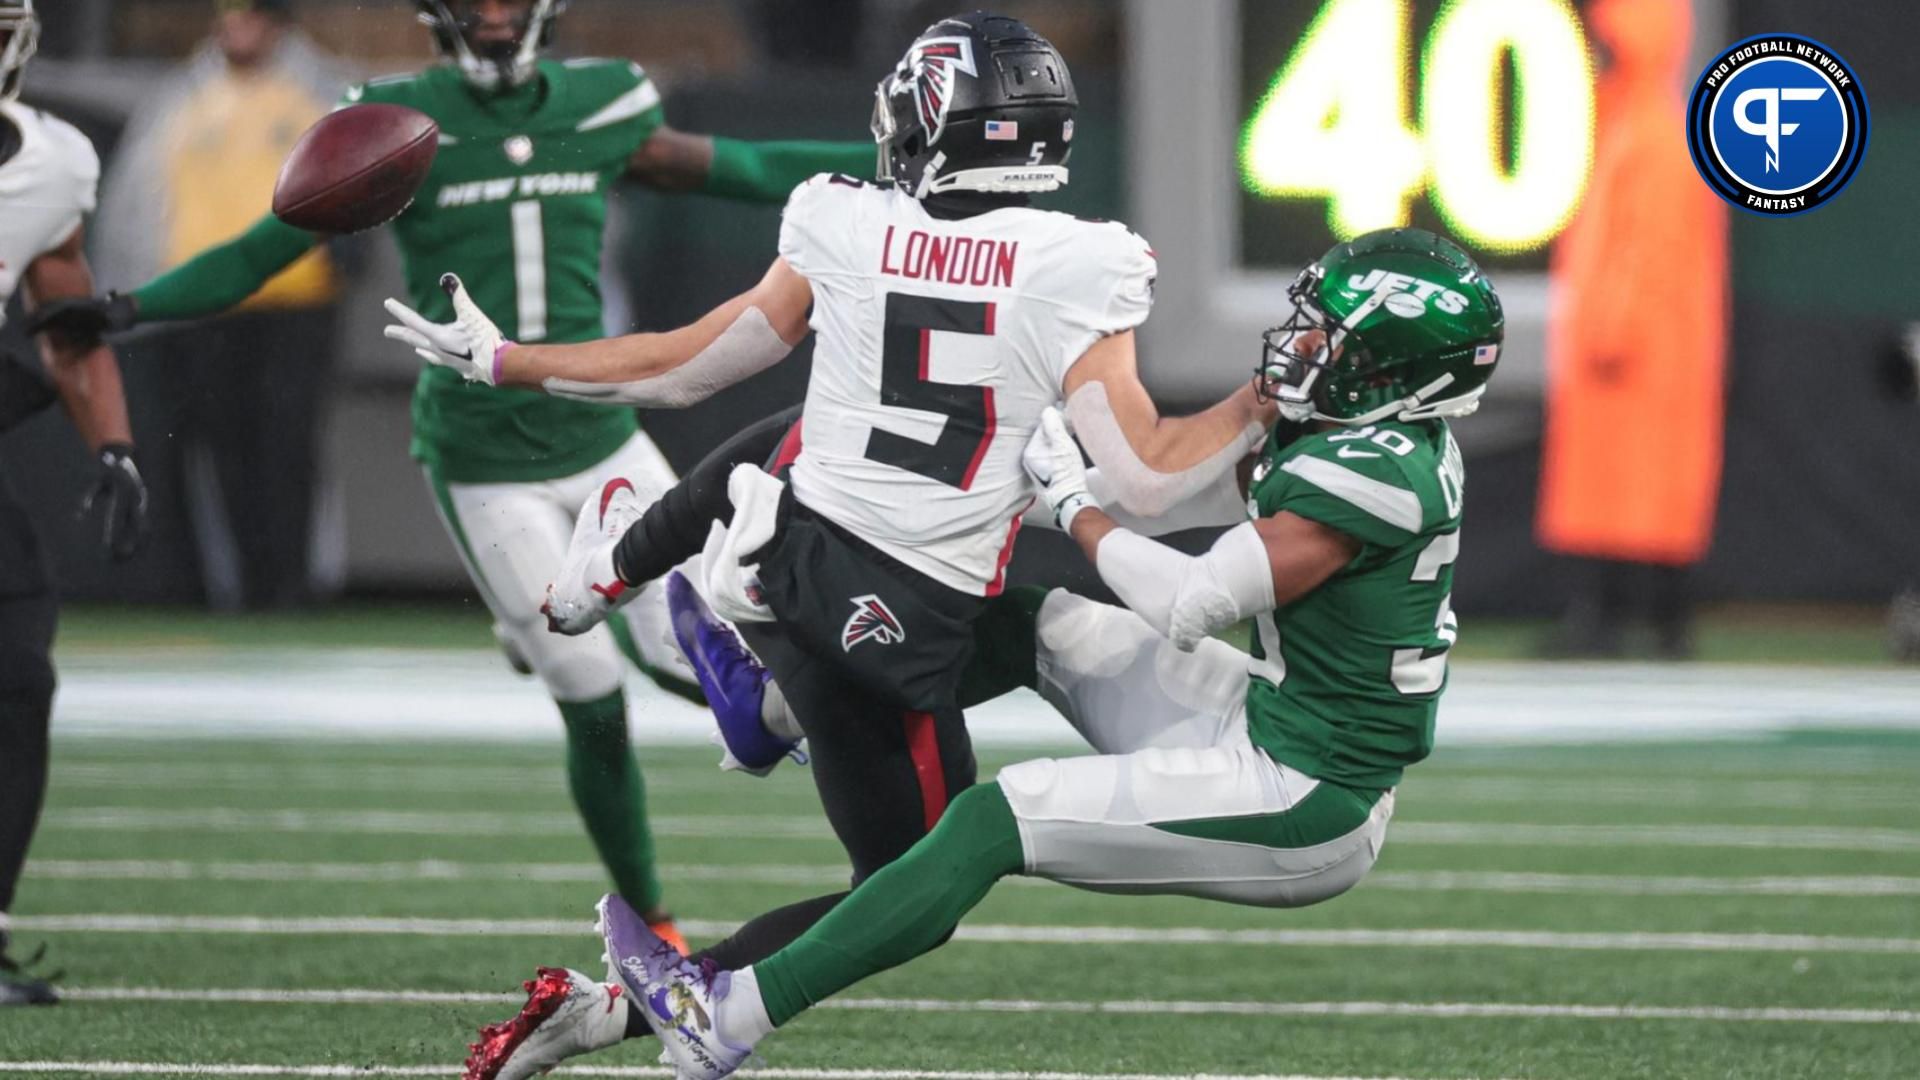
{"points": [[1396, 324]]}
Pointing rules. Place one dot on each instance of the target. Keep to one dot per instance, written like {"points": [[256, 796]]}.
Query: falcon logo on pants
{"points": [[870, 621]]}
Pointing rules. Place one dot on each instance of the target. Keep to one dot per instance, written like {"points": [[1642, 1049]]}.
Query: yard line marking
{"points": [[1437, 1010], [827, 873], [420, 870], [1643, 941], [1423, 789], [416, 822], [750, 826], [155, 1068], [1708, 836], [1640, 885]]}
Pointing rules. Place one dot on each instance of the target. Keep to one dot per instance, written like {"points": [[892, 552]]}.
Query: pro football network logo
{"points": [[871, 621], [1777, 124]]}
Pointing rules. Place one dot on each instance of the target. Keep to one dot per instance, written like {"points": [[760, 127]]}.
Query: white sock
{"points": [[777, 718], [740, 1018]]}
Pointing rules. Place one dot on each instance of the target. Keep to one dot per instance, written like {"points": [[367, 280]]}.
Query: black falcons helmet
{"points": [[979, 103]]}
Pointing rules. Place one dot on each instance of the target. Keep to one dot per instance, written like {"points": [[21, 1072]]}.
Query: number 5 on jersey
{"points": [[906, 345]]}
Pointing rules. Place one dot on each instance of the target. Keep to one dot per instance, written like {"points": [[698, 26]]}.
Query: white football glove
{"points": [[470, 344], [1052, 458]]}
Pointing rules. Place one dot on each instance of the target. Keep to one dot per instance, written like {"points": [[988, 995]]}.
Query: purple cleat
{"points": [[734, 682], [679, 998]]}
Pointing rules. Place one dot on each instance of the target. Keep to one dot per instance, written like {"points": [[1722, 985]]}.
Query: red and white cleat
{"points": [[567, 1014]]}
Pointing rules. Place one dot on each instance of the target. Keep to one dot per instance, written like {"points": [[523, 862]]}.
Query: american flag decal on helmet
{"points": [[930, 64], [871, 621]]}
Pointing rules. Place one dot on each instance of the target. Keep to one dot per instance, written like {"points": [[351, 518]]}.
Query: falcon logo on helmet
{"points": [[495, 65], [19, 39], [932, 63]]}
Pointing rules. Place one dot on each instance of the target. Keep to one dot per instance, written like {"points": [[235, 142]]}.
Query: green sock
{"points": [[906, 909], [611, 795], [665, 680]]}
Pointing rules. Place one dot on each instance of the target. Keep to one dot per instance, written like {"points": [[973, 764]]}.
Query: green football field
{"points": [[309, 907]]}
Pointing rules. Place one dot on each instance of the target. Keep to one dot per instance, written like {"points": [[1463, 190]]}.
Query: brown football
{"points": [[357, 168]]}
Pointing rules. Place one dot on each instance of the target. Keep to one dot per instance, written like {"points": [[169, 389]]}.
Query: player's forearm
{"points": [[769, 171], [90, 389], [1184, 597], [223, 275], [1154, 463], [672, 370]]}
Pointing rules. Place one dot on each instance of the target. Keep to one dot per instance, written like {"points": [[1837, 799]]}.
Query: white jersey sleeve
{"points": [[1103, 283], [47, 189], [814, 228]]}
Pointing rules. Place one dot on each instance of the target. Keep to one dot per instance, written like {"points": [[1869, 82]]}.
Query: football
{"points": [[357, 168]]}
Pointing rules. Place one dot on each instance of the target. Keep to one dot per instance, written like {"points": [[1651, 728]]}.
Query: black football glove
{"points": [[121, 496], [80, 322]]}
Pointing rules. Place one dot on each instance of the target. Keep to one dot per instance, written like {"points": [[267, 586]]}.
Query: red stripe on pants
{"points": [[925, 748]]}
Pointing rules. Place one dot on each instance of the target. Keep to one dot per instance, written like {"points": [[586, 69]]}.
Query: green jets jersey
{"points": [[1346, 679], [516, 205]]}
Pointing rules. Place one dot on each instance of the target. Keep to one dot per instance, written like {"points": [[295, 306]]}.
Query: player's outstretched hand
{"points": [[120, 496], [1052, 458], [79, 322], [470, 344]]}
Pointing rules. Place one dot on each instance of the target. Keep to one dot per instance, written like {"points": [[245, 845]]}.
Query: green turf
{"points": [[1734, 635], [1859, 785]]}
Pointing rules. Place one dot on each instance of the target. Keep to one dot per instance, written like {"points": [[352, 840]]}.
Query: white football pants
{"points": [[1179, 801], [513, 538]]}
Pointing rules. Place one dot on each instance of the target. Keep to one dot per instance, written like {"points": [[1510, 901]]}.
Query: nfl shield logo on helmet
{"points": [[871, 621]]}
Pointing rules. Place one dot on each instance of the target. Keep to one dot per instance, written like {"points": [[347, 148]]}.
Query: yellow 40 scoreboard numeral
{"points": [[1333, 125]]}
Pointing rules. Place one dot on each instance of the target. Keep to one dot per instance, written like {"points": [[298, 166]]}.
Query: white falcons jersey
{"points": [[46, 188], [938, 344]]}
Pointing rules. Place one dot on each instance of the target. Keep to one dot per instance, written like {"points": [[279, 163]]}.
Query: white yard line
{"points": [[772, 827], [147, 1068], [1449, 1010], [430, 870], [1030, 935]]}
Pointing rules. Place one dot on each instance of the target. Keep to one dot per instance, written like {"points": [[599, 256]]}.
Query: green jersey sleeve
{"points": [[1379, 485], [620, 100]]}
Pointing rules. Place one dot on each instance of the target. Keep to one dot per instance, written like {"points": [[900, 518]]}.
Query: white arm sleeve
{"points": [[1134, 484], [742, 350], [1187, 597], [1217, 505]]}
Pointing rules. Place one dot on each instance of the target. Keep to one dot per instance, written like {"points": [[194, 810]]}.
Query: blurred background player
{"points": [[233, 443], [48, 177], [1630, 459], [517, 202]]}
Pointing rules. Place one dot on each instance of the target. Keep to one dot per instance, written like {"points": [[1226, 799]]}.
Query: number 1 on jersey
{"points": [[906, 343], [530, 269]]}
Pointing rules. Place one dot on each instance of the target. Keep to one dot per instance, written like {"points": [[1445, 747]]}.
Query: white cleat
{"points": [[567, 1014], [586, 589]]}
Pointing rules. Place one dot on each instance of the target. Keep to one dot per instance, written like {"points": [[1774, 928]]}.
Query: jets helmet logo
{"points": [[871, 621], [931, 64]]}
